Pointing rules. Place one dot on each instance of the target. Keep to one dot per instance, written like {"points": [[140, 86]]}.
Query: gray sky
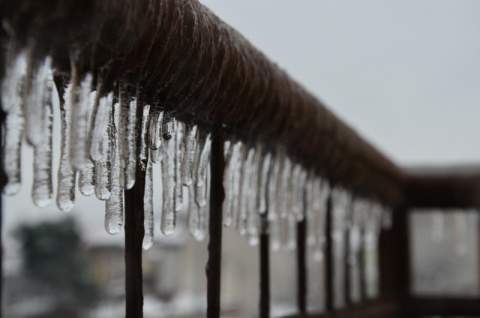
{"points": [[405, 74]]}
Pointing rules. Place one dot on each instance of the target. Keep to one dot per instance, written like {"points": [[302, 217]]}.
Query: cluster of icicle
{"points": [[267, 192], [98, 146]]}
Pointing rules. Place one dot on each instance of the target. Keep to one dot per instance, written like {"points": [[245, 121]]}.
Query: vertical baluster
{"points": [[302, 266], [217, 195], [134, 232], [329, 261], [264, 267]]}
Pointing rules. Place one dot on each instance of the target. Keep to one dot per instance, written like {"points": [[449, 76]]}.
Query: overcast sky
{"points": [[405, 74]]}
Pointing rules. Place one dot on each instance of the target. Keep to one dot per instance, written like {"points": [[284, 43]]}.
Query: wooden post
{"points": [[329, 261], [301, 267], [134, 232], [217, 195], [264, 268]]}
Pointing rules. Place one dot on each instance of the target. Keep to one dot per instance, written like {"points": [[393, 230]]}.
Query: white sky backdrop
{"points": [[405, 74]]}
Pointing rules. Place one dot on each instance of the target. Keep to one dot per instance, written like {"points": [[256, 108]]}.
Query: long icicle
{"points": [[66, 175], [36, 87], [148, 207], [42, 189], [86, 180], [114, 205], [189, 143], [169, 176], [103, 177], [128, 138], [12, 102], [79, 116]]}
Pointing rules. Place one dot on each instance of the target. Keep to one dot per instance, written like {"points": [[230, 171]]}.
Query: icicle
{"points": [[226, 148], [66, 175], [42, 162], [148, 208], [252, 227], [230, 184], [460, 219], [99, 149], [179, 154], [438, 226], [86, 180], [128, 138], [169, 176], [114, 204], [245, 186], [12, 101], [283, 192], [144, 128], [155, 129], [273, 193], [189, 143], [168, 126], [299, 179], [37, 94], [103, 165], [203, 165], [156, 155], [200, 168], [310, 212], [263, 182], [204, 211], [192, 219], [275, 234], [291, 243], [322, 190], [80, 119], [13, 85]]}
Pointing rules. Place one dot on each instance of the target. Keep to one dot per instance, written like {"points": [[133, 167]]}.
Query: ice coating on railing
{"points": [[148, 208], [256, 181], [37, 93], [42, 188], [114, 203], [66, 174], [13, 86]]}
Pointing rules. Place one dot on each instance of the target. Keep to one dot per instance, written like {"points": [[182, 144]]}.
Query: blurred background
{"points": [[405, 75]]}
